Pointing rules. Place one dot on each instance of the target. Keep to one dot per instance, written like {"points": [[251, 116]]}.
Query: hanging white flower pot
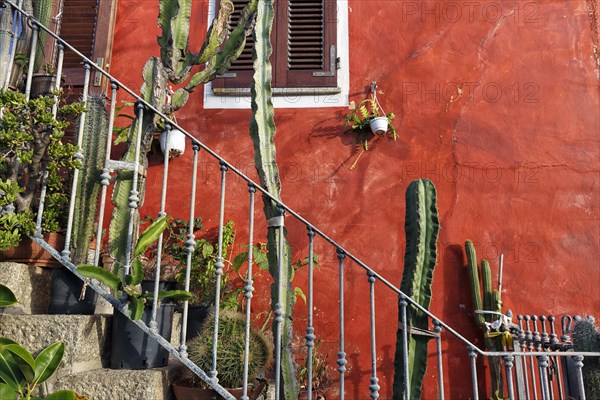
{"points": [[176, 143], [379, 125]]}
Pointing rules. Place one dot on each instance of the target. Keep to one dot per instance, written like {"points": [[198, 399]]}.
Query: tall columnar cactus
{"points": [[95, 135], [587, 338], [490, 301], [42, 11], [421, 227], [174, 67], [262, 131]]}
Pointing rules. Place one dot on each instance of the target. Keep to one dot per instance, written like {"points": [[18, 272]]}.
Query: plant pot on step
{"points": [[30, 253], [176, 143], [132, 348], [42, 85], [65, 292], [184, 392], [317, 395], [379, 125], [196, 316]]}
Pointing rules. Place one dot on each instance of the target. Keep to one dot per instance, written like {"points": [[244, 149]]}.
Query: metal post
{"points": [[218, 272], [66, 253], [248, 289], [508, 364], [105, 176], [341, 361], [17, 21], [34, 36], [473, 357], [403, 304], [437, 328], [162, 213], [40, 213], [310, 330], [374, 386], [134, 194], [190, 245], [579, 375], [278, 311], [59, 68]]}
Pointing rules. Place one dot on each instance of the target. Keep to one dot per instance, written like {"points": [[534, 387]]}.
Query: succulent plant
{"points": [[230, 350], [421, 227]]}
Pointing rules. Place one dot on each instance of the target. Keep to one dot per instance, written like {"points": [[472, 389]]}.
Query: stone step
{"points": [[30, 284], [119, 384], [86, 337]]}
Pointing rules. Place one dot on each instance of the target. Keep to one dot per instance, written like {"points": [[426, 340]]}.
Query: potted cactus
{"points": [[230, 357]]}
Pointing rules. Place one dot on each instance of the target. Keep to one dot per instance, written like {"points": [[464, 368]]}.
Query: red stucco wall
{"points": [[515, 159]]}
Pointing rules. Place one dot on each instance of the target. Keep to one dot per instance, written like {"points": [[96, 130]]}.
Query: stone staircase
{"points": [[86, 339]]}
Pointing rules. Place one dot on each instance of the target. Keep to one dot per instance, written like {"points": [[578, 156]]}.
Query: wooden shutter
{"points": [[78, 29], [304, 53]]}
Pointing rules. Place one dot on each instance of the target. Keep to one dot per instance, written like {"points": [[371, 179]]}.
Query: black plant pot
{"points": [[42, 85], [132, 348], [65, 291], [196, 317]]}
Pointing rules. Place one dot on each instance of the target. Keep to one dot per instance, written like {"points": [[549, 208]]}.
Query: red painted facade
{"points": [[498, 103]]}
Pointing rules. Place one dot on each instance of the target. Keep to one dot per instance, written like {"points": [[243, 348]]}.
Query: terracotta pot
{"points": [[184, 392], [42, 85], [29, 252]]}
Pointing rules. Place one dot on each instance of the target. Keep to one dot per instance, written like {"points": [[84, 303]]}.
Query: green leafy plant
{"points": [[33, 152], [421, 227], [360, 118], [320, 370], [230, 349], [20, 373], [136, 299], [204, 257], [7, 297]]}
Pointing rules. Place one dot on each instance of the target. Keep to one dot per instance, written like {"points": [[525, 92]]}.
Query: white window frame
{"points": [[296, 99]]}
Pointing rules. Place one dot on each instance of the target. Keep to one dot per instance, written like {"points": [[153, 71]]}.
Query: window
{"points": [[306, 56]]}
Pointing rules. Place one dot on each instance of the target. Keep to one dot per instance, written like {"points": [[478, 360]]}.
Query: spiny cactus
{"points": [[42, 11], [95, 135], [421, 227], [230, 350], [587, 338], [262, 132], [174, 67], [490, 301]]}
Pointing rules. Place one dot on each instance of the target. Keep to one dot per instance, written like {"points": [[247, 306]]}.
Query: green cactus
{"points": [[95, 135], [262, 132], [173, 67], [490, 301], [421, 227], [587, 338], [230, 350], [42, 11]]}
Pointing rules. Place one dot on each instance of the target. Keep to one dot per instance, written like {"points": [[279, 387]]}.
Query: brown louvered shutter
{"points": [[78, 28], [304, 47]]}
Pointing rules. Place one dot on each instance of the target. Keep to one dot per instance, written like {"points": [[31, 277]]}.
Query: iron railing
{"points": [[526, 368]]}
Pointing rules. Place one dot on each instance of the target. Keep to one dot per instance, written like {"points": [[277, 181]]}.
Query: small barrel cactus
{"points": [[587, 338], [230, 349]]}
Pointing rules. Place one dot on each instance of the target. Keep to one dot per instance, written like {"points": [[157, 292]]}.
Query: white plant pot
{"points": [[379, 125], [176, 143]]}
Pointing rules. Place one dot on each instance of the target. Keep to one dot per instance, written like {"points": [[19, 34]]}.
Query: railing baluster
{"points": [[278, 309], [34, 38], [437, 328], [508, 364], [248, 289], [162, 213], [133, 194], [403, 304], [543, 363], [341, 361], [529, 338], [310, 330], [59, 68], [218, 272], [105, 176], [473, 357], [42, 201], [579, 376], [190, 245], [557, 360], [374, 386], [79, 155], [523, 360], [17, 21]]}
